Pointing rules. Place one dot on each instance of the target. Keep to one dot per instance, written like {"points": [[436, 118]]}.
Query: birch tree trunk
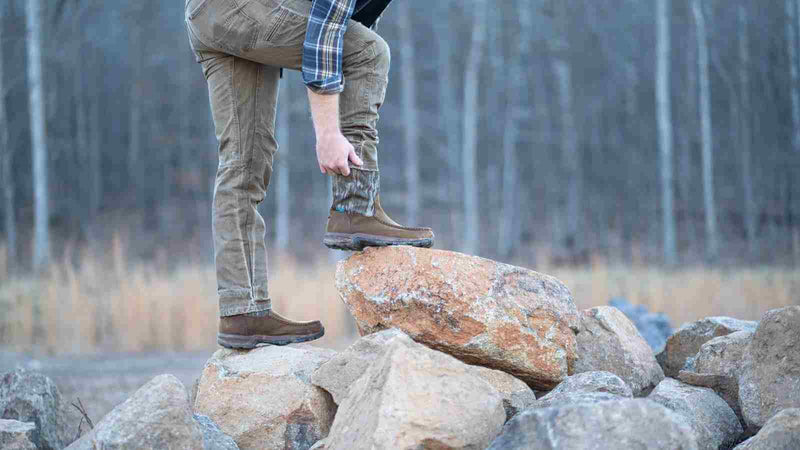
{"points": [[41, 232], [664, 105], [470, 131], [573, 178], [6, 161], [282, 173], [408, 83], [746, 140], [515, 86], [712, 244]]}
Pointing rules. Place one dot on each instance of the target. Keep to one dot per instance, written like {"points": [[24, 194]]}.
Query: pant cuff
{"points": [[356, 193], [235, 306]]}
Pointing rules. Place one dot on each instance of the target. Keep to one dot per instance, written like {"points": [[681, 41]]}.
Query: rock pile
{"points": [[453, 351]]}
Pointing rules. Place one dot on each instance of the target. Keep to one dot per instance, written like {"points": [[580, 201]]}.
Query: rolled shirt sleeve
{"points": [[322, 49]]}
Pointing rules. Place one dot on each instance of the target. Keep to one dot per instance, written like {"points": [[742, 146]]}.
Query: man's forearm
{"points": [[324, 113], [334, 152]]}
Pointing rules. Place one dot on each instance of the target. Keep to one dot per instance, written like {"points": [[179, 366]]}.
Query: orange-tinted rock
{"points": [[480, 311]]}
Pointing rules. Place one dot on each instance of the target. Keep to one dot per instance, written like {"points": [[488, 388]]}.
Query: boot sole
{"points": [[250, 342], [359, 241]]}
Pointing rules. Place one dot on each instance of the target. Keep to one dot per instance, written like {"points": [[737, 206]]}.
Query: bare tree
{"points": [[408, 81], [746, 139], [6, 159], [712, 244], [41, 241], [665, 131], [517, 114], [448, 115], [791, 45], [573, 172], [470, 129]]}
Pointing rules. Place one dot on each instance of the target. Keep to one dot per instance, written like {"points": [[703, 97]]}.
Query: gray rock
{"points": [[717, 366], [597, 381], [32, 397], [615, 424], [686, 342], [340, 372], [17, 435], [586, 387], [156, 416], [415, 397], [655, 328], [713, 421], [516, 395], [213, 437], [782, 432], [264, 399], [770, 379], [574, 398], [608, 341]]}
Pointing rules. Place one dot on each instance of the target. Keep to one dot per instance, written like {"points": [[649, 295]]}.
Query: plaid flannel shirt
{"points": [[322, 49]]}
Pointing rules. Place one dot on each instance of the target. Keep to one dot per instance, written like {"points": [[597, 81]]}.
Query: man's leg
{"points": [[243, 100], [243, 97]]}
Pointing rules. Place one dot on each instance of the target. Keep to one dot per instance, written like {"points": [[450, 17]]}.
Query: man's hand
{"points": [[334, 152]]}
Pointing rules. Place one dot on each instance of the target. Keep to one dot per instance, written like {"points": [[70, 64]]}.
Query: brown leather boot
{"points": [[347, 231], [245, 331]]}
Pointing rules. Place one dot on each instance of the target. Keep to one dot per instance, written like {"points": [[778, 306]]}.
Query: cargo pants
{"points": [[242, 46]]}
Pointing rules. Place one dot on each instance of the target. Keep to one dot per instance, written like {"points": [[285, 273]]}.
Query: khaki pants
{"points": [[242, 46]]}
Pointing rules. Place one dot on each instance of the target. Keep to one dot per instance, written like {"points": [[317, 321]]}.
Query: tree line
{"points": [[634, 130]]}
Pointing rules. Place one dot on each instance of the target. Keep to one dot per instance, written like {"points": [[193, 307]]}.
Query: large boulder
{"points": [[713, 421], [32, 397], [782, 432], [686, 342], [264, 398], [717, 366], [213, 437], [609, 342], [770, 377], [480, 311], [340, 372], [17, 435], [415, 397], [614, 424], [655, 328], [155, 416]]}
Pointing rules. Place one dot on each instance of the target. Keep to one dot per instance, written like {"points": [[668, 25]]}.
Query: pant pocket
{"points": [[226, 24]]}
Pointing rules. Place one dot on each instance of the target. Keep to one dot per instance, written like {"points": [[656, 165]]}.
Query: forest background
{"points": [[640, 148]]}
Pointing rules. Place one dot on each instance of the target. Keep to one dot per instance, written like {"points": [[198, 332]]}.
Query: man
{"points": [[243, 46]]}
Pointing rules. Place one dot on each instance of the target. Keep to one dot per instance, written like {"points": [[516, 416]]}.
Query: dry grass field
{"points": [[106, 304]]}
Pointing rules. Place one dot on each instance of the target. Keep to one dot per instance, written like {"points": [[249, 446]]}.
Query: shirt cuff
{"points": [[328, 86]]}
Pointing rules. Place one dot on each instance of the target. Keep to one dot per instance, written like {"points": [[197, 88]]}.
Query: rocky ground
{"points": [[457, 352], [102, 382]]}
